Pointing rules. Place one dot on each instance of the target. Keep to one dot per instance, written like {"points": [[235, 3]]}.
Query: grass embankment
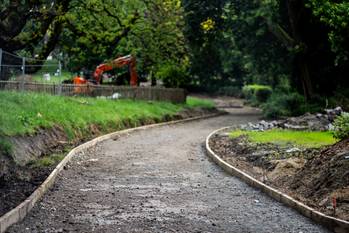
{"points": [[24, 113], [304, 139]]}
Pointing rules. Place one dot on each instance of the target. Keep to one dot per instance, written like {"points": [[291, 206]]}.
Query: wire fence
{"points": [[27, 74], [19, 68]]}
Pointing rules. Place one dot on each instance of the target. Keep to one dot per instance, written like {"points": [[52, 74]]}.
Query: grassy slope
{"points": [[23, 113], [305, 139]]}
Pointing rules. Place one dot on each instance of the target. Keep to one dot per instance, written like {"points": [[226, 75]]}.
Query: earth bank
{"points": [[314, 176], [23, 171]]}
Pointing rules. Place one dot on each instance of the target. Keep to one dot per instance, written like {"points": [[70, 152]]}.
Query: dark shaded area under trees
{"points": [[265, 42]]}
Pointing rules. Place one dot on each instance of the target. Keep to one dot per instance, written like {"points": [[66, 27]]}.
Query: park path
{"points": [[159, 180]]}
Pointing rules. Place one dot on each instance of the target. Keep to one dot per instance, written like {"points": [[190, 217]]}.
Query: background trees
{"points": [[206, 45]]}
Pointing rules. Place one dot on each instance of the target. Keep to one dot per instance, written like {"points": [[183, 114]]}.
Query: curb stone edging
{"points": [[334, 224], [18, 213]]}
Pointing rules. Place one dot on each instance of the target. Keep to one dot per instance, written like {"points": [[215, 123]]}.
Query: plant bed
{"points": [[309, 166]]}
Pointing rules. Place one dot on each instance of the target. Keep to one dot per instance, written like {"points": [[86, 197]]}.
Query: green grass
{"points": [[197, 102], [38, 77], [305, 139], [24, 113], [46, 161]]}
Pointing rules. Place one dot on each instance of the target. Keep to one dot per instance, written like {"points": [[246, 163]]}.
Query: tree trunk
{"points": [[296, 17]]}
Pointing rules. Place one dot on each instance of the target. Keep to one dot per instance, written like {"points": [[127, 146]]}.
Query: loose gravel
{"points": [[159, 180]]}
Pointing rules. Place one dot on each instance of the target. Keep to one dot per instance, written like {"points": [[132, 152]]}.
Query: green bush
{"points": [[341, 126], [284, 104], [262, 95], [173, 75], [257, 93]]}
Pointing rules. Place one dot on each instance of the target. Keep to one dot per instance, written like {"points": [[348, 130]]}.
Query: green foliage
{"points": [[304, 139], [5, 147], [341, 125], [262, 95], [203, 32], [99, 31], [27, 112], [250, 90], [258, 93], [283, 104], [340, 98], [46, 161], [173, 75], [194, 102], [335, 15]]}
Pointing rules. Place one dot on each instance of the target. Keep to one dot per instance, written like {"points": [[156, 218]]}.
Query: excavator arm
{"points": [[119, 62]]}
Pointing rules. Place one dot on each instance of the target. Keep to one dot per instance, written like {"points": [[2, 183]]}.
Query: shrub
{"points": [[284, 104], [173, 75], [262, 95], [257, 93], [341, 126]]}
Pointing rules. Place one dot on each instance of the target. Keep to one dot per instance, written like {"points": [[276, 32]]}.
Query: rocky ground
{"points": [[313, 176], [160, 180]]}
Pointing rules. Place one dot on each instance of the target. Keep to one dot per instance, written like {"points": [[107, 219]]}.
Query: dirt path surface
{"points": [[159, 180]]}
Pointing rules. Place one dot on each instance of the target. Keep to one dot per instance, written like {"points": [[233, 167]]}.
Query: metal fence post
{"points": [[60, 78], [23, 66], [0, 63], [23, 73]]}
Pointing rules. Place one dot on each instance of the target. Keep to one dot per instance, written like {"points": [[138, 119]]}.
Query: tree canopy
{"points": [[192, 43]]}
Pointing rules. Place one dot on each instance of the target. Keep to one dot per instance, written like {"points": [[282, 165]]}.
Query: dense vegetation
{"points": [[297, 47]]}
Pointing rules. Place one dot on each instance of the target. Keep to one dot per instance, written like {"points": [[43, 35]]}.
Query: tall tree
{"points": [[204, 33]]}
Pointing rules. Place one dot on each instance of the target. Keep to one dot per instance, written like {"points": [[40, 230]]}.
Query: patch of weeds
{"points": [[46, 161], [194, 102], [5, 147]]}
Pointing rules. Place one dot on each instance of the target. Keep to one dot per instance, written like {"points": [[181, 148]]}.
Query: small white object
{"points": [[92, 160], [293, 150], [116, 96], [47, 77]]}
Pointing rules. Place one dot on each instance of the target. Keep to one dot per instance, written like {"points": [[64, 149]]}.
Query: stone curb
{"points": [[334, 224], [18, 213]]}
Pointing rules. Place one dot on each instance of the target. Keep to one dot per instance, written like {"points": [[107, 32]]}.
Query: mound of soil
{"points": [[323, 177], [313, 176], [18, 180]]}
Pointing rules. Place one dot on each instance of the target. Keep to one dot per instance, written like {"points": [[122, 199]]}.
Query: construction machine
{"points": [[128, 60]]}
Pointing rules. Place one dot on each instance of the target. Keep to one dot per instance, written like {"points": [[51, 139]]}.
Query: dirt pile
{"points": [[325, 176], [313, 176]]}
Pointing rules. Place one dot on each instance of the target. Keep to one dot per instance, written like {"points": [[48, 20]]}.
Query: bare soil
{"points": [[18, 180], [313, 176]]}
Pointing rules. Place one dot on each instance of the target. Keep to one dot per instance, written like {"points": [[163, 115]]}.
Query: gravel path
{"points": [[159, 180]]}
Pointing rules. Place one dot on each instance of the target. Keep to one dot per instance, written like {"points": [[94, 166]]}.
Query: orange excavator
{"points": [[128, 60]]}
